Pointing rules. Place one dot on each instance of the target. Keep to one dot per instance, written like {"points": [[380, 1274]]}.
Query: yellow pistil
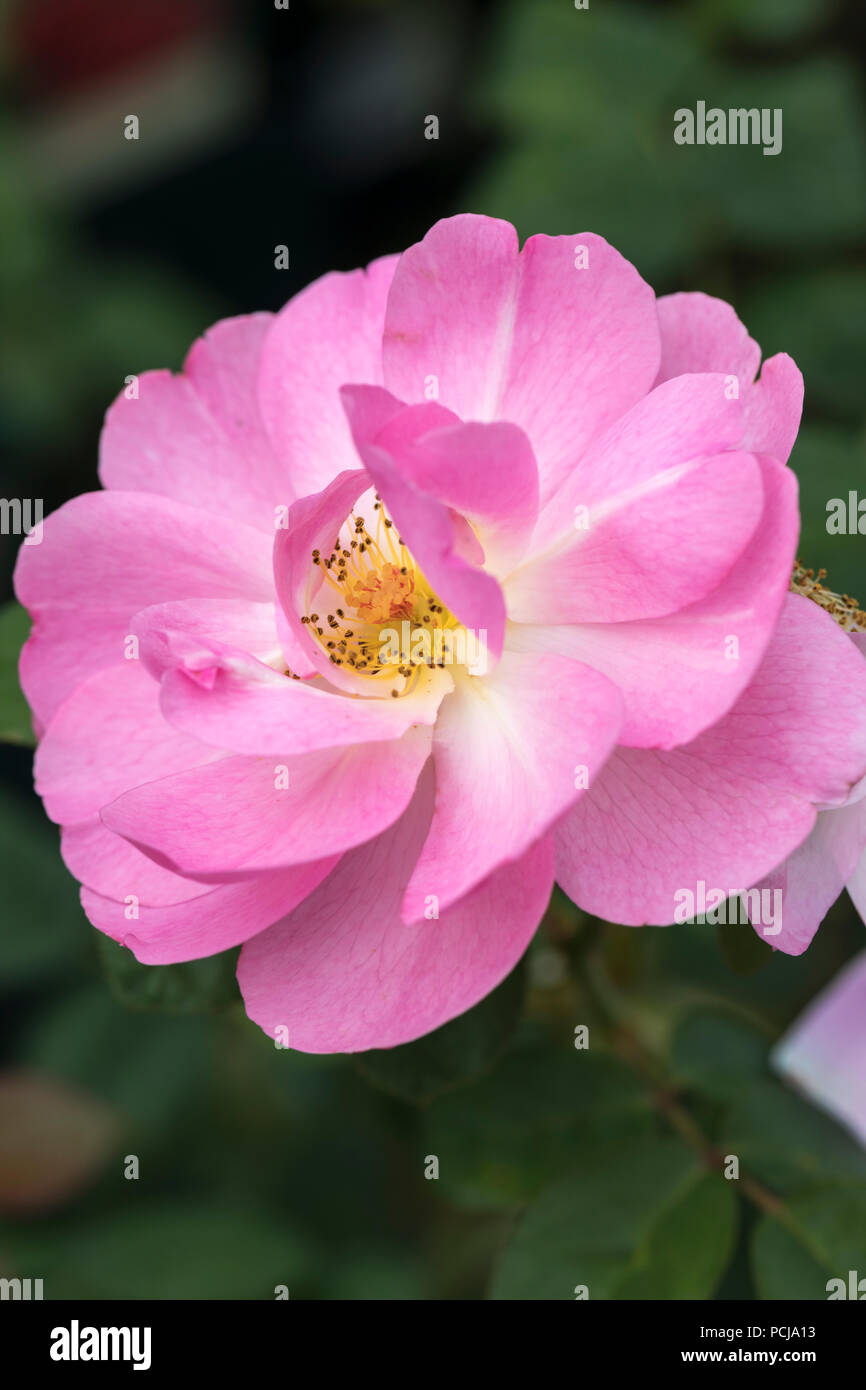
{"points": [[845, 610], [383, 594], [380, 595]]}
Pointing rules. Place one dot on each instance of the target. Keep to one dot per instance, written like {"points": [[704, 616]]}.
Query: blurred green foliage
{"points": [[15, 722], [558, 1166], [75, 324]]}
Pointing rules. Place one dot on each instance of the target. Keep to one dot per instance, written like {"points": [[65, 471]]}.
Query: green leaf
{"points": [[193, 987], [685, 967], [689, 1247], [786, 1143], [453, 1055], [15, 723], [827, 1238], [625, 1215], [717, 1054], [464, 1248], [499, 1142]]}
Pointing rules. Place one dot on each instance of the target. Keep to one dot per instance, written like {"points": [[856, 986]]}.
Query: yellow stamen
{"points": [[845, 610], [377, 589]]}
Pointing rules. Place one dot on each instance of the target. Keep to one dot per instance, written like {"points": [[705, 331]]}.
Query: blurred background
{"points": [[304, 127]]}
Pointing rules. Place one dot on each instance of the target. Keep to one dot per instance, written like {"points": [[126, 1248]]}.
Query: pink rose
{"points": [[832, 857], [824, 1053], [726, 809], [578, 491]]}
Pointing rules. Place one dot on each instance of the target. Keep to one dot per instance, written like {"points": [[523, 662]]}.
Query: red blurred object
{"points": [[67, 46], [54, 1140]]}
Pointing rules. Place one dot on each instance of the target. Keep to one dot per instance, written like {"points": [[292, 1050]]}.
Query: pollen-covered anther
{"points": [[844, 610]]}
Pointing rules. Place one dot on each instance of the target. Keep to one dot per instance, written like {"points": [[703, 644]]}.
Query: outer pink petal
{"points": [[343, 973], [512, 751], [648, 552], [525, 336], [237, 816], [656, 824], [824, 1054], [211, 922], [113, 868], [834, 855], [857, 886], [386, 434], [106, 555], [702, 334], [681, 673], [812, 878], [729, 806], [107, 737], [773, 408], [328, 334], [801, 724], [199, 437]]}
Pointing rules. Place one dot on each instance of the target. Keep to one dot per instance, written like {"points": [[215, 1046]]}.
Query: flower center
{"points": [[385, 620], [381, 594]]}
